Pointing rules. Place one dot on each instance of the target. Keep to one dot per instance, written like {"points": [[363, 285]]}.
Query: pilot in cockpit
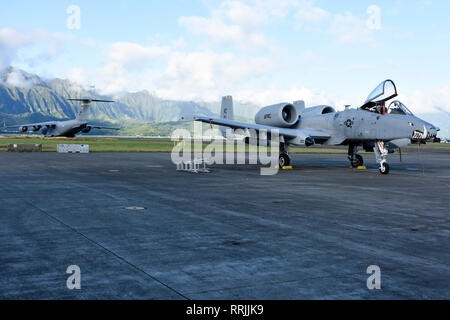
{"points": [[379, 108]]}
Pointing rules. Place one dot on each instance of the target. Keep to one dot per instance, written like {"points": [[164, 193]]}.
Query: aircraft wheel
{"points": [[284, 160], [358, 161], [384, 169]]}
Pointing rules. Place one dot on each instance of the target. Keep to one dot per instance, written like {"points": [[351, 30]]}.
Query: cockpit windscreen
{"points": [[396, 107]]}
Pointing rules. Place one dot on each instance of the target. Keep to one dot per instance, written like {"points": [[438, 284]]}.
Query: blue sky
{"points": [[261, 51]]}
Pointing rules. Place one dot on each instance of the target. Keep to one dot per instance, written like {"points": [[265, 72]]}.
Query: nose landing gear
{"points": [[381, 153], [384, 168]]}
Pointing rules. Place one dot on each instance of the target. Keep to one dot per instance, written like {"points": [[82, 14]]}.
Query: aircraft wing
{"points": [[105, 128], [287, 133], [38, 124]]}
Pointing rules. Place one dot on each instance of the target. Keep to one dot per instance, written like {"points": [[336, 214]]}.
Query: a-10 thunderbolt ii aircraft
{"points": [[375, 124], [67, 128]]}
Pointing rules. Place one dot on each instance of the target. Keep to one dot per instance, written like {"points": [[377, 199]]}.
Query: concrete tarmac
{"points": [[307, 233]]}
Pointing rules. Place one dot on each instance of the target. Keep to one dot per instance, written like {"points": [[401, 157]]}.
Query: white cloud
{"points": [[274, 94], [126, 66], [12, 38], [172, 72], [42, 45], [220, 32], [10, 42], [131, 55], [433, 100], [348, 28], [17, 78], [240, 23], [207, 75], [248, 17], [351, 30], [78, 76], [307, 13], [277, 9]]}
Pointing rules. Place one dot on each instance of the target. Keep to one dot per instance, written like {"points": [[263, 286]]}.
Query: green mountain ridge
{"points": [[25, 96]]}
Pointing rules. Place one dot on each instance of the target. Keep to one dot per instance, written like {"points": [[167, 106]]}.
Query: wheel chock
{"points": [[288, 168], [359, 167]]}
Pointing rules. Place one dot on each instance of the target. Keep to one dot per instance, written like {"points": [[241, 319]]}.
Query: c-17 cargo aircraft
{"points": [[67, 128], [374, 125]]}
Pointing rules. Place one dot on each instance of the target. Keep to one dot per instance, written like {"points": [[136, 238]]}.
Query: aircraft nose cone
{"points": [[423, 129], [433, 131]]}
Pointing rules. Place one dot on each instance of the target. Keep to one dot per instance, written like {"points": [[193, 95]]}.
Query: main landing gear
{"points": [[284, 160], [355, 159], [381, 153]]}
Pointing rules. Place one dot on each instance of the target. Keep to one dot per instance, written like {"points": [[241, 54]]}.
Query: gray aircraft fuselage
{"points": [[358, 125], [67, 128]]}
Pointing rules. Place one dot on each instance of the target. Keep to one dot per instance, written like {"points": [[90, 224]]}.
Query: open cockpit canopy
{"points": [[382, 93]]}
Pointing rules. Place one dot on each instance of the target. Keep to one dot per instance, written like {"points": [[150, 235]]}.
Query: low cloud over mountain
{"points": [[24, 95]]}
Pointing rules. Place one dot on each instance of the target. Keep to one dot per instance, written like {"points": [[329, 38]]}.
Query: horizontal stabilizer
{"points": [[90, 100], [85, 106]]}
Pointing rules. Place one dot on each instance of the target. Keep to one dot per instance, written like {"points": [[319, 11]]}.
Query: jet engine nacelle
{"points": [[86, 130], [318, 110], [282, 115], [44, 131], [36, 128], [24, 129]]}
